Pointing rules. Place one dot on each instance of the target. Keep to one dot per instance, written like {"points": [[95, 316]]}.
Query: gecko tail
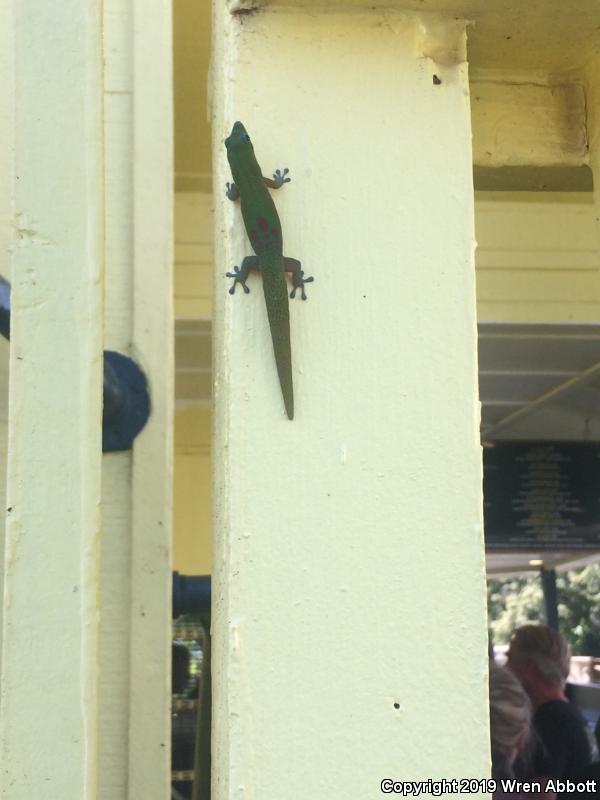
{"points": [[289, 404], [283, 361], [279, 321]]}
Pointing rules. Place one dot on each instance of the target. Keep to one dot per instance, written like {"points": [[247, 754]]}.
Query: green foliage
{"points": [[511, 603], [579, 609], [518, 601]]}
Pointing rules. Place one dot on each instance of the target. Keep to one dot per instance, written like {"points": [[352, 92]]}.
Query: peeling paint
{"points": [[242, 7], [442, 41]]}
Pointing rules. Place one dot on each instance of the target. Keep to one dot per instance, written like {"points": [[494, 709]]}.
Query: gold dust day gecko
{"points": [[264, 231]]}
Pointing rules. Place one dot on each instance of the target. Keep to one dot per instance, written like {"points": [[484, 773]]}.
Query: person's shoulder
{"points": [[591, 773], [559, 710]]}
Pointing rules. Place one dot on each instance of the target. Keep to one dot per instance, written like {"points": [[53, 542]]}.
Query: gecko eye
{"points": [[245, 137]]}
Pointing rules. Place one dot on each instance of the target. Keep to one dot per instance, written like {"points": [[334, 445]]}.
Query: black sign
{"points": [[542, 496]]}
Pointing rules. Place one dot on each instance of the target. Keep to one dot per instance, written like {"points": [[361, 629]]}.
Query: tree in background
{"points": [[518, 601], [579, 609], [513, 602]]}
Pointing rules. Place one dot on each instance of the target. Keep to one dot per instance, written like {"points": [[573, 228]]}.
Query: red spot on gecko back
{"points": [[262, 223]]}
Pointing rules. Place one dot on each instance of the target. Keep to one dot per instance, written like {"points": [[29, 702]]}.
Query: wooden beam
{"points": [[525, 124]]}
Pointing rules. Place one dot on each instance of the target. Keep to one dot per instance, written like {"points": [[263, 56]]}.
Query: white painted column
{"points": [[153, 345], [87, 631], [349, 598], [115, 631], [7, 101], [48, 714], [137, 485]]}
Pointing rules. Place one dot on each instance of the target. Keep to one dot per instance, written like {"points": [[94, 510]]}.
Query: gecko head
{"points": [[238, 140], [240, 153]]}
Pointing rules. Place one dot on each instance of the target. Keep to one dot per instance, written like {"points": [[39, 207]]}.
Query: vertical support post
{"points": [[7, 103], [49, 708], [153, 347], [548, 578], [137, 485], [115, 631], [349, 590]]}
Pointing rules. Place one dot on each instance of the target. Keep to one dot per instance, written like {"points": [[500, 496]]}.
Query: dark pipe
{"points": [[126, 400], [4, 308], [191, 594], [112, 395]]}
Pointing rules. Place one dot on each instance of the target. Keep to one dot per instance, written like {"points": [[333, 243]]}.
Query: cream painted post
{"points": [[349, 597], [137, 486], [86, 711], [48, 715], [6, 239], [153, 344]]}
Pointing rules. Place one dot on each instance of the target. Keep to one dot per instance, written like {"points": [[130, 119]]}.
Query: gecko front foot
{"points": [[279, 178], [239, 276], [299, 280], [232, 192]]}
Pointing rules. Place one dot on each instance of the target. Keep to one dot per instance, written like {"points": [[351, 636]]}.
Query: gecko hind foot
{"points": [[299, 281], [238, 277], [279, 178]]}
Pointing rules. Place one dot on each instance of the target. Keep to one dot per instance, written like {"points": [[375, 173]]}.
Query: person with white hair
{"points": [[510, 722], [539, 657]]}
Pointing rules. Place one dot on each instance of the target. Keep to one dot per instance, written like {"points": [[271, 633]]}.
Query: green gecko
{"points": [[264, 231]]}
